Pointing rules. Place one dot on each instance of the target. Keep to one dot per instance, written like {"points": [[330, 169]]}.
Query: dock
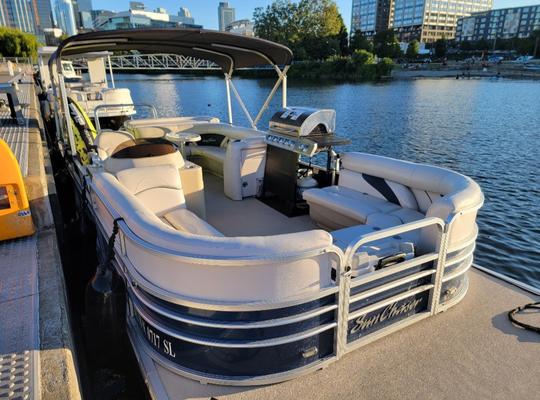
{"points": [[36, 348]]}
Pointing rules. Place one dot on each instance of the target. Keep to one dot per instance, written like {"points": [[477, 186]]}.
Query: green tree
{"points": [[385, 44], [441, 47], [412, 49], [313, 29], [360, 42], [363, 57], [15, 43]]}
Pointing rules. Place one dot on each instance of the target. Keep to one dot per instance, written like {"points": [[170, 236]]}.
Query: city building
{"points": [[136, 5], [226, 15], [64, 15], [241, 27], [184, 16], [18, 14], [499, 24], [42, 16], [84, 15], [424, 20], [370, 16], [429, 20], [141, 18]]}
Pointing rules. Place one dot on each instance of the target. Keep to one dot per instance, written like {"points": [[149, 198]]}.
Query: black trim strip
{"points": [[382, 187]]}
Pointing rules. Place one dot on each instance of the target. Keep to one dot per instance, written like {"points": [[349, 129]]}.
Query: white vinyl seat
{"points": [[159, 189], [107, 141], [145, 128], [384, 192]]}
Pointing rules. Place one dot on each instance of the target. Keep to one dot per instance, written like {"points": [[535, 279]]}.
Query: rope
{"points": [[110, 247], [512, 316]]}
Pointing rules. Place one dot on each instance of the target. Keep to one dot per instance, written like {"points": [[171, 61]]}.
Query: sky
{"points": [[205, 11]]}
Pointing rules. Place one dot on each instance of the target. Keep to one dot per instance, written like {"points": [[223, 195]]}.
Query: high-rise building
{"points": [[226, 15], [140, 19], [370, 16], [503, 23], [42, 15], [425, 20], [18, 14], [429, 20], [184, 16], [64, 15]]}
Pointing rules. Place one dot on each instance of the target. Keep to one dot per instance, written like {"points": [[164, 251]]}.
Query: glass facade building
{"points": [[370, 16], [425, 20], [226, 15], [503, 23], [64, 15], [18, 14]]}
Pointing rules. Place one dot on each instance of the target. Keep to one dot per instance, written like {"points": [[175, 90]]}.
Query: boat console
{"points": [[295, 132]]}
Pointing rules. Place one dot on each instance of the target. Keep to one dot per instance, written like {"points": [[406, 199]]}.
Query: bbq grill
{"points": [[295, 132]]}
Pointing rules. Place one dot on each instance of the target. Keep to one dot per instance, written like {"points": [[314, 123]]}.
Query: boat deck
{"points": [[249, 217], [470, 351]]}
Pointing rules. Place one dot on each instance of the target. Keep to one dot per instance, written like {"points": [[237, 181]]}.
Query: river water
{"points": [[486, 129]]}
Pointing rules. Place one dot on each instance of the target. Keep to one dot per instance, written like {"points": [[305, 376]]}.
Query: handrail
{"points": [[103, 106]]}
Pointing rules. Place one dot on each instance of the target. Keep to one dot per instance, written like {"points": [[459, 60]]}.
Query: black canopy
{"points": [[229, 51]]}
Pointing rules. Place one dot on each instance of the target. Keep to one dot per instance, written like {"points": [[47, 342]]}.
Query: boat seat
{"points": [[384, 192], [108, 140], [213, 152], [159, 189], [143, 153], [184, 220], [235, 153], [159, 127]]}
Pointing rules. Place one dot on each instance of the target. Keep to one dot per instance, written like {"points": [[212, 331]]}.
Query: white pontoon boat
{"points": [[244, 266]]}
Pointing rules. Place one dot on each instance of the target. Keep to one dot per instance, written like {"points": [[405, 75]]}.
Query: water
{"points": [[487, 129]]}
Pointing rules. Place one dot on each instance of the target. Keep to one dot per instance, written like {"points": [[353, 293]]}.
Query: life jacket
{"points": [[83, 130]]}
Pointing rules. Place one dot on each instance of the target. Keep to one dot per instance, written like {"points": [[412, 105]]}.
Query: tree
{"points": [[412, 49], [363, 57], [360, 42], [441, 47], [15, 43], [313, 29], [385, 44]]}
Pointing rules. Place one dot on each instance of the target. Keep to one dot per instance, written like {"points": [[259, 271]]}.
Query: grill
{"points": [[304, 131], [295, 132]]}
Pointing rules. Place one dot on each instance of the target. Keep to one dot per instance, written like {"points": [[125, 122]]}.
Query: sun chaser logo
{"points": [[392, 311]]}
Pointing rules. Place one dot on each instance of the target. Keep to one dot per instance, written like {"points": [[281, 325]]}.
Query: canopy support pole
{"points": [[229, 104], [67, 117], [281, 80], [110, 70], [241, 102]]}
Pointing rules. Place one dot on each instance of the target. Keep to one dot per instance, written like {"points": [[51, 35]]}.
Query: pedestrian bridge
{"points": [[155, 62]]}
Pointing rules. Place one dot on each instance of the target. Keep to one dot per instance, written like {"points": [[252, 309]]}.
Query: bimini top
{"points": [[229, 51]]}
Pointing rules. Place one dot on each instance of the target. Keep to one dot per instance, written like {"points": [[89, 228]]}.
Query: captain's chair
{"points": [[107, 141]]}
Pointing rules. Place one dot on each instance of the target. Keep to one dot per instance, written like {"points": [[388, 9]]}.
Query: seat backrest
{"points": [[427, 184], [107, 140], [158, 187], [114, 165]]}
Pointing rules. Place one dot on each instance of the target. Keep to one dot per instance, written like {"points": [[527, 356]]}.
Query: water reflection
{"points": [[487, 129]]}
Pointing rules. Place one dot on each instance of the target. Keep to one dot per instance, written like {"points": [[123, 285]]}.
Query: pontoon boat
{"points": [[243, 264]]}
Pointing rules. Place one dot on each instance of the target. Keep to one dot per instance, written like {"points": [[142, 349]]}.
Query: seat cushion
{"points": [[397, 218], [349, 202], [186, 221], [214, 152], [157, 187]]}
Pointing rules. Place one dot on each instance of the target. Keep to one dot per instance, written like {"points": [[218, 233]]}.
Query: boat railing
{"points": [[365, 307], [130, 106]]}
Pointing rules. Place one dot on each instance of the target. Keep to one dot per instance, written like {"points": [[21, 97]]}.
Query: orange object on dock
{"points": [[15, 215]]}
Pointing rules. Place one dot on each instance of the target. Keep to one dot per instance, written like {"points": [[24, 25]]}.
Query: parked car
{"points": [[495, 59]]}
